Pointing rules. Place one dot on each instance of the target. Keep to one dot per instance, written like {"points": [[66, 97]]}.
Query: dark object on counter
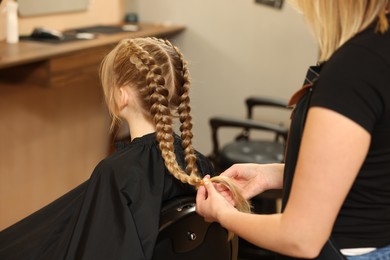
{"points": [[45, 33]]}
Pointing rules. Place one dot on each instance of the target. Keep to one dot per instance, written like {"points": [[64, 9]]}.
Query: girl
{"points": [[115, 214]]}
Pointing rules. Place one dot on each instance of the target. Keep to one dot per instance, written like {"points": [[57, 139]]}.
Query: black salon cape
{"points": [[113, 215]]}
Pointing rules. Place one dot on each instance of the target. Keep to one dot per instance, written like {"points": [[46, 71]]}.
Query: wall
{"points": [[236, 48], [99, 12], [53, 137]]}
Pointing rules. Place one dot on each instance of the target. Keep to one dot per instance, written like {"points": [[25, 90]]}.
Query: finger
{"points": [[228, 196], [208, 220], [220, 187], [200, 197], [201, 194], [230, 172], [209, 186]]}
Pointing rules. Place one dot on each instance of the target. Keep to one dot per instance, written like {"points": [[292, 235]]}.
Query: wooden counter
{"points": [[53, 121], [28, 51], [41, 63]]}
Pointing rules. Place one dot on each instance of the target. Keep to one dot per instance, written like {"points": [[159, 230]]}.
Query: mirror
{"points": [[45, 7]]}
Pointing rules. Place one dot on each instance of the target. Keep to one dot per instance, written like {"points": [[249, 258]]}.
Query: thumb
{"points": [[201, 194], [209, 186]]}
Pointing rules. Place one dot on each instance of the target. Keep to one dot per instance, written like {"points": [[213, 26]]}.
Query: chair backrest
{"points": [[266, 102], [243, 149], [185, 235]]}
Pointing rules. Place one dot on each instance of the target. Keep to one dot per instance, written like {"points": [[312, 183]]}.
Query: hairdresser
{"points": [[336, 175]]}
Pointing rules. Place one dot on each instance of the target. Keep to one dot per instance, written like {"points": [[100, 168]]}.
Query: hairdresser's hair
{"points": [[158, 72], [335, 21]]}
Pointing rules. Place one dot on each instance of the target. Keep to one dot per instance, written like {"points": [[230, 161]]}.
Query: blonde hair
{"points": [[159, 73], [335, 21]]}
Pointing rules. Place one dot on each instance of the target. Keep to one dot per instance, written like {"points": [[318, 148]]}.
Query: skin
{"points": [[332, 151], [250, 182], [131, 111]]}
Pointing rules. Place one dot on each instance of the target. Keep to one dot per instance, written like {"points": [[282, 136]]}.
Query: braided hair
{"points": [[159, 73]]}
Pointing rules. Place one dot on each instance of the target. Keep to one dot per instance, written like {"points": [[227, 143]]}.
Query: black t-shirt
{"points": [[355, 82]]}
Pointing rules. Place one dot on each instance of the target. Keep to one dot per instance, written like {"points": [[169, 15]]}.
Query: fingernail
{"points": [[206, 181]]}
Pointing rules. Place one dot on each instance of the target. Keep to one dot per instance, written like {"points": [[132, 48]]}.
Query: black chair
{"points": [[245, 149], [185, 235]]}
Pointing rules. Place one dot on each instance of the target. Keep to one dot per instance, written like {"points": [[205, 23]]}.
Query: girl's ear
{"points": [[122, 98]]}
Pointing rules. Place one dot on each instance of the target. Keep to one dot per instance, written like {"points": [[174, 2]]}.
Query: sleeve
{"points": [[351, 83]]}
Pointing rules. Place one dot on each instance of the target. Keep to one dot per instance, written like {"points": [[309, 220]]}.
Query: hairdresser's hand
{"points": [[253, 179], [225, 192], [210, 203]]}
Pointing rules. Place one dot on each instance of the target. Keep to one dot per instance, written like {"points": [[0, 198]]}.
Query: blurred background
{"points": [[235, 49]]}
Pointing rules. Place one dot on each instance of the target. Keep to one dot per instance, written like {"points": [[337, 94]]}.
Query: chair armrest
{"points": [[264, 101], [218, 122], [256, 100]]}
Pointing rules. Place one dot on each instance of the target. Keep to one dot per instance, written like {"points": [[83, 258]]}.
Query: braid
{"points": [[156, 94], [186, 135], [184, 110]]}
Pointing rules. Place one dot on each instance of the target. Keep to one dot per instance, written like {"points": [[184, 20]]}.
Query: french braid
{"points": [[186, 134], [156, 96], [184, 110]]}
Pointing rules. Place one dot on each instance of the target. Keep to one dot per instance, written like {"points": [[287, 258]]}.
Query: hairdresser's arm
{"points": [[252, 179], [332, 151]]}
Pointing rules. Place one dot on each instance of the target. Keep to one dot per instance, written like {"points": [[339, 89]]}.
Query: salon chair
{"points": [[183, 234], [247, 149]]}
